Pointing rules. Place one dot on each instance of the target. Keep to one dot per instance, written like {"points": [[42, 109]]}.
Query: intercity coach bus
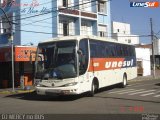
{"points": [[77, 64]]}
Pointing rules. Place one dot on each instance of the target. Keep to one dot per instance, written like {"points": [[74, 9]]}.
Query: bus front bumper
{"points": [[57, 91]]}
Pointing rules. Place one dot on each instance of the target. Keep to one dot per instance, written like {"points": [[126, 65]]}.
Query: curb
{"points": [[144, 79], [10, 92]]}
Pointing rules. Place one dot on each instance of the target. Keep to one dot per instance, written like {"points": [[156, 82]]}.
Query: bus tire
{"points": [[94, 88], [124, 83]]}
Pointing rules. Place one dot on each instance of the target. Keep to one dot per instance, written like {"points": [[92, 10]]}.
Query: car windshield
{"points": [[56, 60]]}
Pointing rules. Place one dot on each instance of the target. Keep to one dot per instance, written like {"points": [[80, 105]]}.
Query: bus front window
{"points": [[56, 60], [83, 56]]}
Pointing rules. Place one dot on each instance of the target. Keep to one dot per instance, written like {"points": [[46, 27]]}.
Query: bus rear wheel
{"points": [[124, 83]]}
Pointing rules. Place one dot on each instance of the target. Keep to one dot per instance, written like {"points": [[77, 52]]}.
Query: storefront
{"points": [[23, 68]]}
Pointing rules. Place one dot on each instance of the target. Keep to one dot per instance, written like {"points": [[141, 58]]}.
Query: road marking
{"points": [[147, 94], [120, 91], [157, 96], [141, 92], [134, 86], [131, 91]]}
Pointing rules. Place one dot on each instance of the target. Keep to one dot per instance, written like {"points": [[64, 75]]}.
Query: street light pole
{"points": [[12, 64], [12, 49]]}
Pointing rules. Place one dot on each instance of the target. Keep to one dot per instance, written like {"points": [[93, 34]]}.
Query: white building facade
{"points": [[122, 32], [157, 47], [143, 60]]}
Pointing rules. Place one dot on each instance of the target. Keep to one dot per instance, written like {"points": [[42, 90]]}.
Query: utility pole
{"points": [[152, 39]]}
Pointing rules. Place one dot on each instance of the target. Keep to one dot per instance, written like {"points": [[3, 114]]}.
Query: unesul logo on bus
{"points": [[119, 64], [98, 64]]}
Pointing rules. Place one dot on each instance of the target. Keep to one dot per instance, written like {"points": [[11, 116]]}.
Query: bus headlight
{"points": [[70, 84]]}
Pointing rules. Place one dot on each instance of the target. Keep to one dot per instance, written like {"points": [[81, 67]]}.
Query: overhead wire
{"points": [[52, 12], [47, 19], [55, 16]]}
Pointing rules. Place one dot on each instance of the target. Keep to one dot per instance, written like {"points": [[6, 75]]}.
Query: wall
{"points": [[123, 28], [143, 54], [121, 32], [157, 47], [34, 21]]}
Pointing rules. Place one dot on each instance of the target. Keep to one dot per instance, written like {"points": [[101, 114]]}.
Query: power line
{"points": [[47, 19], [53, 16], [48, 8], [158, 33], [55, 10], [73, 35], [50, 12], [30, 7]]}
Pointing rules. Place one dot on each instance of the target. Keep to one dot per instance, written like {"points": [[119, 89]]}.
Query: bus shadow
{"points": [[108, 88], [158, 84], [32, 96]]}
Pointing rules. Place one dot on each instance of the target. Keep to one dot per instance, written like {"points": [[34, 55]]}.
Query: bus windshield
{"points": [[56, 60]]}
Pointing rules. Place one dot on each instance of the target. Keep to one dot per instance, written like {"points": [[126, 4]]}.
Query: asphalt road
{"points": [[137, 98]]}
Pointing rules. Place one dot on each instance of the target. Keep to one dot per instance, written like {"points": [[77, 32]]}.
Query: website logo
{"points": [[145, 4]]}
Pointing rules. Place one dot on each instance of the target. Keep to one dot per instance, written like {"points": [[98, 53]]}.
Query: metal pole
{"points": [[12, 65], [152, 39]]}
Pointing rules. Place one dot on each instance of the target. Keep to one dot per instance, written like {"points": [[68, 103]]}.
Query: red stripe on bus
{"points": [[98, 64]]}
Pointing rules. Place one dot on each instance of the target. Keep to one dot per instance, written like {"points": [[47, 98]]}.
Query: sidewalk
{"points": [[16, 90], [149, 77]]}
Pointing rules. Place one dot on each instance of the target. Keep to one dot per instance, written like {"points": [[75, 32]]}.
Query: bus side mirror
{"points": [[31, 56], [79, 52]]}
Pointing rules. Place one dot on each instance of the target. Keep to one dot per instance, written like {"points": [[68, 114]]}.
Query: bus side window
{"points": [[93, 50]]}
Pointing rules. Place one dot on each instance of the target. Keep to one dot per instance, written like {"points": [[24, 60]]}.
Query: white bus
{"points": [[77, 64]]}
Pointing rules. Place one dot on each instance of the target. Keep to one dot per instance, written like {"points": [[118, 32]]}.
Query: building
{"points": [[157, 52], [157, 47], [122, 32], [143, 53], [37, 20], [23, 68]]}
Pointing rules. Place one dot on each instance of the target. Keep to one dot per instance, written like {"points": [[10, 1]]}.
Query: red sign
{"points": [[25, 53]]}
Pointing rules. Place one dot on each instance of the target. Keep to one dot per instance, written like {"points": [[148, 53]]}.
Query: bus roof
{"points": [[65, 38]]}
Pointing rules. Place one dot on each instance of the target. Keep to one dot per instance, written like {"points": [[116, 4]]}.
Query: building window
{"points": [[66, 26], [102, 31], [85, 5], [65, 29], [129, 40], [102, 34], [102, 7], [86, 28], [65, 3]]}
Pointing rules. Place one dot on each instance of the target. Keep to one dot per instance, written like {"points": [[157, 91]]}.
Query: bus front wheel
{"points": [[94, 88]]}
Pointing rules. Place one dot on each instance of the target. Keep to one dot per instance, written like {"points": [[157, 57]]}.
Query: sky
{"points": [[137, 17]]}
